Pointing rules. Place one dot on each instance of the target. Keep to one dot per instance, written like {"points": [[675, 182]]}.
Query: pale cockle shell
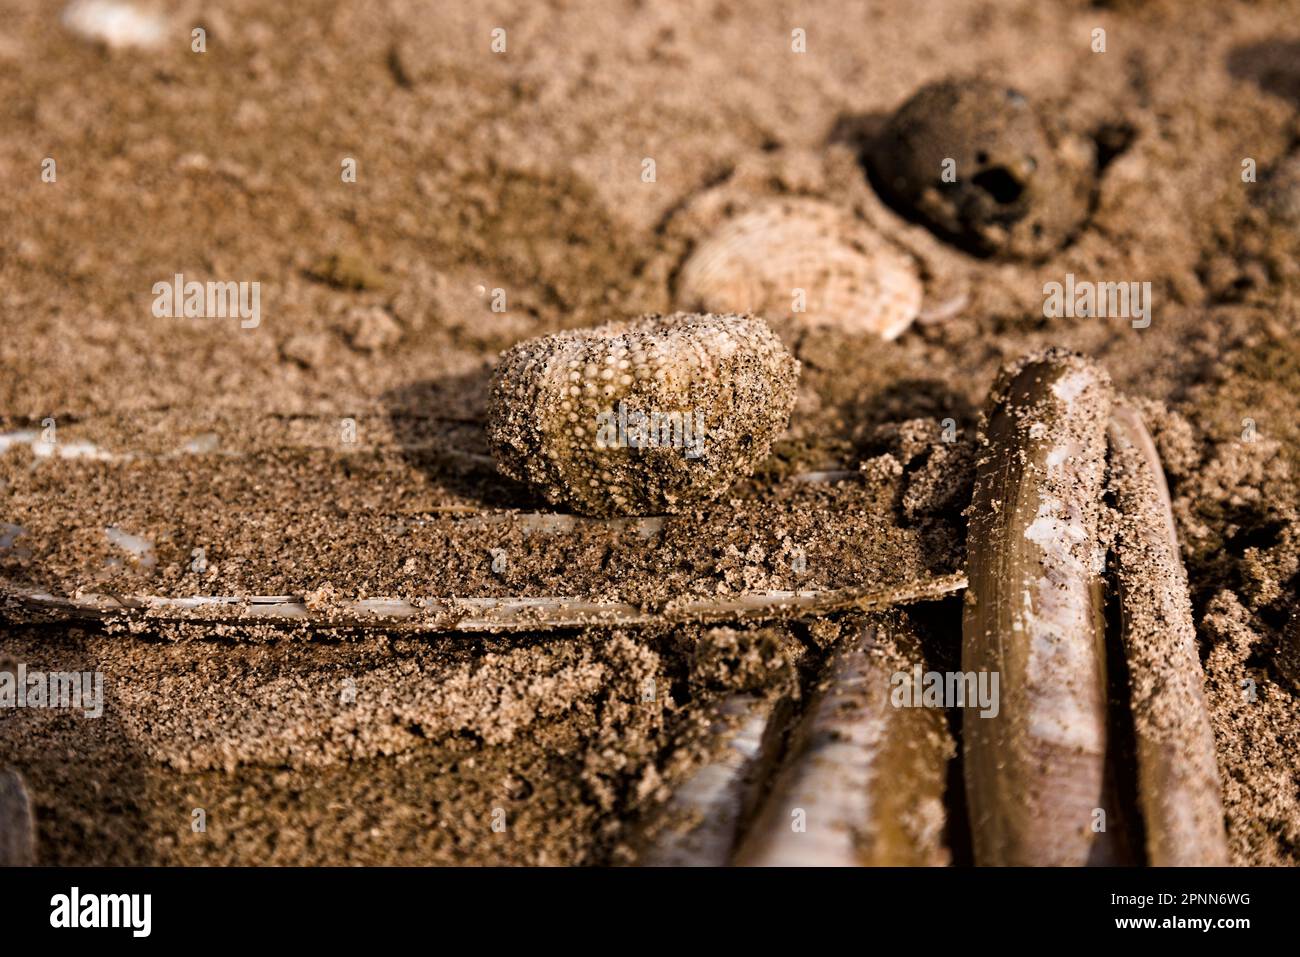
{"points": [[726, 382], [763, 261]]}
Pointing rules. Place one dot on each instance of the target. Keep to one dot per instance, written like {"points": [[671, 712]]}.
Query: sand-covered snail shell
{"points": [[641, 416], [806, 260], [976, 162]]}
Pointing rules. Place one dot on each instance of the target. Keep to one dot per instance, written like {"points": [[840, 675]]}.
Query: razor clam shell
{"points": [[1178, 777], [469, 615], [17, 826], [1034, 613], [869, 777], [699, 825], [851, 277]]}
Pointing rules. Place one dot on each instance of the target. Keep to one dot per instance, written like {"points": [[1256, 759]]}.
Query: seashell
{"points": [[864, 779], [1034, 614], [115, 24], [762, 260], [1179, 791], [700, 823], [644, 416], [17, 826], [985, 168]]}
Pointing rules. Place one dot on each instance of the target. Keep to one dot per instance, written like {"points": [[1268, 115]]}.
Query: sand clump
{"points": [[378, 738]]}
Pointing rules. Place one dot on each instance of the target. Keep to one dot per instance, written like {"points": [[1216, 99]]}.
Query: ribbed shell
{"points": [[851, 278], [729, 373]]}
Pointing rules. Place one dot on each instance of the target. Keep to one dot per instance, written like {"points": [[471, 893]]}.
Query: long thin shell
{"points": [[1178, 775], [17, 827], [527, 613], [862, 783], [439, 614], [1034, 613], [699, 826]]}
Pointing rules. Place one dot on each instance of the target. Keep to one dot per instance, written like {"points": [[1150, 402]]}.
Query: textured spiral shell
{"points": [[555, 399], [758, 261]]}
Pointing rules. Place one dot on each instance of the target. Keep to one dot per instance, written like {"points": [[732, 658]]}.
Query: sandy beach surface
{"points": [[332, 445]]}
